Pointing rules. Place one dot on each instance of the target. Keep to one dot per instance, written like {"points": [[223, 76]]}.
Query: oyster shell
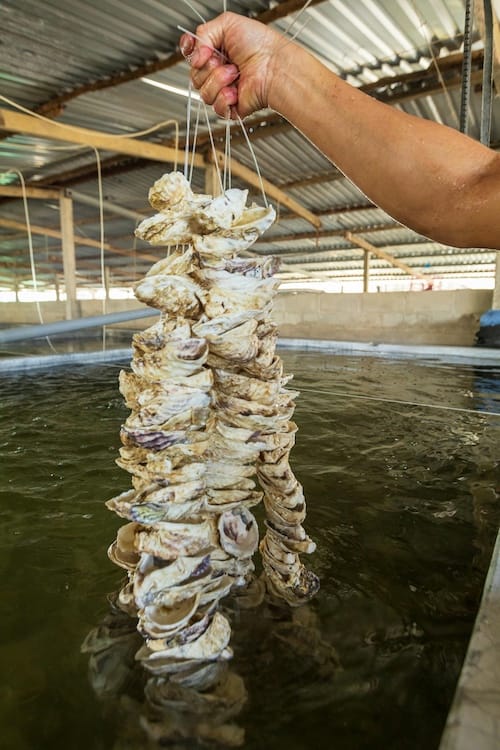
{"points": [[175, 295], [168, 540], [171, 190], [238, 532], [123, 551], [151, 581], [160, 621], [209, 407]]}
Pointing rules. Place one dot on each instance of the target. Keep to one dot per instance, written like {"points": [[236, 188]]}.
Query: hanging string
{"points": [[216, 161], [195, 138], [101, 237], [255, 162], [31, 252], [194, 10], [399, 401], [227, 156], [188, 126], [294, 20]]}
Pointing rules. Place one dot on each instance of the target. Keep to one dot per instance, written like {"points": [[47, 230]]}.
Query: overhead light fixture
{"points": [[172, 89]]}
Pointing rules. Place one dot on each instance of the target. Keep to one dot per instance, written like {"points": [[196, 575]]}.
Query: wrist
{"points": [[282, 80]]}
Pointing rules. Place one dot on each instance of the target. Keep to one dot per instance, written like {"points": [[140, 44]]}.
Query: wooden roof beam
{"points": [[83, 241], [324, 234], [365, 245], [8, 191], [13, 122]]}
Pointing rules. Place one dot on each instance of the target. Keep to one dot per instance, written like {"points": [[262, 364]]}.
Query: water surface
{"points": [[402, 502]]}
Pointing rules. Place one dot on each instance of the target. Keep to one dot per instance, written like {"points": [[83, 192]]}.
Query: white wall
{"points": [[447, 317]]}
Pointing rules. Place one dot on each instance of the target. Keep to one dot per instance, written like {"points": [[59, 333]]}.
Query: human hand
{"points": [[238, 81]]}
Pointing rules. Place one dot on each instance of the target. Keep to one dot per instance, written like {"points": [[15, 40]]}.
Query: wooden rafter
{"points": [[367, 246], [8, 191], [13, 122], [83, 241], [323, 234]]}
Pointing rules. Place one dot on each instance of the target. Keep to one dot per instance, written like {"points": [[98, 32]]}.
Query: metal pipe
{"points": [[466, 67], [21, 333], [487, 93]]}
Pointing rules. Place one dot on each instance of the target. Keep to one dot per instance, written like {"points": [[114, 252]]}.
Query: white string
{"points": [[294, 20], [227, 156], [188, 126], [256, 165], [194, 10], [195, 138], [402, 403], [216, 162], [31, 253], [101, 232]]}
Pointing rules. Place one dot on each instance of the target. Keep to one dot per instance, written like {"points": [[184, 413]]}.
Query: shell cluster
{"points": [[209, 411]]}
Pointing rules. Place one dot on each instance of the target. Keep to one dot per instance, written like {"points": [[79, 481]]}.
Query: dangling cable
{"points": [[194, 10], [227, 156], [31, 252], [256, 165], [101, 232], [216, 161], [195, 138], [188, 126]]}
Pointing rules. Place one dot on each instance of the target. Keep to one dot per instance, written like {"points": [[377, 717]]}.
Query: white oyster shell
{"points": [[123, 551], [238, 532]]}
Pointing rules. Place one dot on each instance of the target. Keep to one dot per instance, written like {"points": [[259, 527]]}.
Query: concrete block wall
{"points": [[435, 317]]}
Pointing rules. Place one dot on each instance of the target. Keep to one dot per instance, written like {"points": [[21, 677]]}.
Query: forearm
{"points": [[429, 177]]}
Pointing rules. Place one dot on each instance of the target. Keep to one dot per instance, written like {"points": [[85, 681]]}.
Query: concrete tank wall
{"points": [[437, 317]]}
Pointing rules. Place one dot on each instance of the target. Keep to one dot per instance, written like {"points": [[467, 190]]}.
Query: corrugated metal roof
{"points": [[52, 47]]}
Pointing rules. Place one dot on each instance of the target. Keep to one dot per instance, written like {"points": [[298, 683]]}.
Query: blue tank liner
{"points": [[490, 318]]}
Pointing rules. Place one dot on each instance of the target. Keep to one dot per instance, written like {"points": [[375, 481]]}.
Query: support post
{"points": [[56, 287], [366, 270], [107, 280], [212, 184], [69, 259], [496, 291]]}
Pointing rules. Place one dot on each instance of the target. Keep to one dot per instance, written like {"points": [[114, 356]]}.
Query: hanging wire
{"points": [[399, 401], [186, 2], [31, 252], [188, 127], [214, 152], [101, 233], [195, 138], [254, 158]]}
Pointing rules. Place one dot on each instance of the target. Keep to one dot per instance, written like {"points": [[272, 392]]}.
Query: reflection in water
{"points": [[201, 701], [403, 506]]}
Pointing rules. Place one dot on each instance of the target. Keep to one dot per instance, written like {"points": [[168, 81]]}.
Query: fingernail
{"points": [[187, 45]]}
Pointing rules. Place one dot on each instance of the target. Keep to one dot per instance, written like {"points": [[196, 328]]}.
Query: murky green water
{"points": [[402, 504]]}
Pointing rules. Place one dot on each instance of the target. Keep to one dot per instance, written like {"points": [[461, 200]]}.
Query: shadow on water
{"points": [[403, 505]]}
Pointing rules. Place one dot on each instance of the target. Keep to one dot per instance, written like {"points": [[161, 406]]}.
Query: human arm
{"points": [[429, 177]]}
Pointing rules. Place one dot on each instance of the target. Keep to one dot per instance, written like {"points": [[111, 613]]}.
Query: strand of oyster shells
{"points": [[208, 405]]}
